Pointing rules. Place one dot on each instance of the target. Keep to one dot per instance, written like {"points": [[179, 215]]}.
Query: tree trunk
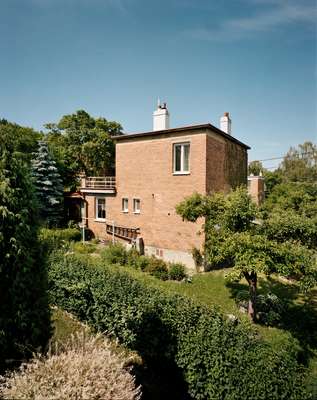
{"points": [[252, 281]]}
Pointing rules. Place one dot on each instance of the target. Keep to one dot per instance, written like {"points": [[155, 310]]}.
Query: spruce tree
{"points": [[48, 186]]}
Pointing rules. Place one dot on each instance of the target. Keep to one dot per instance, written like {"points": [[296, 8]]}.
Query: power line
{"points": [[279, 158]]}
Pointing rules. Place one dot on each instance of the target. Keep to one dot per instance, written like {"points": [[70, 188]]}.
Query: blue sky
{"points": [[113, 58]]}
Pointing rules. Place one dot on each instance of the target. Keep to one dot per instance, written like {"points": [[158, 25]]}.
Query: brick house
{"points": [[154, 171]]}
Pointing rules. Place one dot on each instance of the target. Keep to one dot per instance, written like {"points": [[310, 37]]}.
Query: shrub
{"points": [[115, 254], [157, 268], [87, 248], [176, 271], [53, 239], [133, 258], [87, 369], [143, 262], [270, 308], [218, 359]]}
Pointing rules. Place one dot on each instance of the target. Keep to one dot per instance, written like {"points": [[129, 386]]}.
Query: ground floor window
{"points": [[100, 208], [136, 206], [125, 205]]}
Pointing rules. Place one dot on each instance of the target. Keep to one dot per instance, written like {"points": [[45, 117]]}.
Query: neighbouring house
{"points": [[154, 171]]}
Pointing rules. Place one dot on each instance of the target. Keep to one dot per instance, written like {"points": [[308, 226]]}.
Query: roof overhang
{"points": [[192, 128]]}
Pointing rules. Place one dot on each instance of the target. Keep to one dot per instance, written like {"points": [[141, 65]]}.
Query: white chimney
{"points": [[161, 117], [225, 123]]}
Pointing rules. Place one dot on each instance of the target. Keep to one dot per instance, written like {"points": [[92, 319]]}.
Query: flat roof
{"points": [[181, 129]]}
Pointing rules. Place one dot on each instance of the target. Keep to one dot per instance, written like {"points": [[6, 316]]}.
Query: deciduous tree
{"points": [[234, 236]]}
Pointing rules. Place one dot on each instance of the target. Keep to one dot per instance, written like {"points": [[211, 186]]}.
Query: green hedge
{"points": [[218, 358]]}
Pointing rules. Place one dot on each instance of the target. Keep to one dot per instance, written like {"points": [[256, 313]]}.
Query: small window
{"points": [[125, 205], [136, 206], [181, 158], [101, 208]]}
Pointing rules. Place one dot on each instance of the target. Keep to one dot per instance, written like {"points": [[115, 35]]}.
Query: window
{"points": [[100, 208], [181, 158], [125, 205], [136, 206]]}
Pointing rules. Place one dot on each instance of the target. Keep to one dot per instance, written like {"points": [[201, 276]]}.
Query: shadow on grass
{"points": [[300, 315]]}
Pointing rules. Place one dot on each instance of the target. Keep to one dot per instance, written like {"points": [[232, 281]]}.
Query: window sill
{"points": [[125, 211], [100, 220], [136, 212], [181, 173]]}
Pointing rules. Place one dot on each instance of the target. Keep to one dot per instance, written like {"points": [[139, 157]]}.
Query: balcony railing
{"points": [[122, 231], [99, 182]]}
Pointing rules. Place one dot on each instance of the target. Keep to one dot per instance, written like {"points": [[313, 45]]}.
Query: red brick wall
{"points": [[144, 170], [226, 164]]}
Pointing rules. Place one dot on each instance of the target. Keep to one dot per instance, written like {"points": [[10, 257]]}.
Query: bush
{"points": [[176, 271], [157, 268], [143, 262], [88, 368], [270, 308], [115, 254], [87, 248], [218, 359], [54, 239]]}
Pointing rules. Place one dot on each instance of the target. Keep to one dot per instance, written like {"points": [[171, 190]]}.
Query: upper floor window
{"points": [[125, 205], [136, 206], [181, 158], [100, 208]]}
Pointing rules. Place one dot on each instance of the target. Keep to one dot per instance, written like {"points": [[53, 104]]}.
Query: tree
{"points": [[300, 164], [24, 311], [83, 144], [48, 186], [255, 168], [25, 140], [234, 236]]}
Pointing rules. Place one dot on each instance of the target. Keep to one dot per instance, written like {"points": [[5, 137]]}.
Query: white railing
{"points": [[99, 182]]}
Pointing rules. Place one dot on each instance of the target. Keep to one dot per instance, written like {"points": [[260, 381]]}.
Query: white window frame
{"points": [[135, 210], [96, 208], [125, 209], [182, 171]]}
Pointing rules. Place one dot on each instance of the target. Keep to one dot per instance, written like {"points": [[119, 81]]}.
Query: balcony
{"points": [[98, 184]]}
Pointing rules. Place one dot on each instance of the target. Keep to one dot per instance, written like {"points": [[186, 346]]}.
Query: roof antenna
{"points": [[158, 103]]}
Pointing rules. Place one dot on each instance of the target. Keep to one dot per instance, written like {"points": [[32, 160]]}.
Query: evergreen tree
{"points": [[48, 186], [24, 311]]}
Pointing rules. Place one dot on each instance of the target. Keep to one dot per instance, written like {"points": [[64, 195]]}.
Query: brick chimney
{"points": [[161, 117], [225, 123]]}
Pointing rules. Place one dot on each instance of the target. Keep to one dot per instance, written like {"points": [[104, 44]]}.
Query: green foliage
{"points": [[157, 268], [23, 140], [83, 248], [176, 271], [234, 236], [54, 239], [271, 308], [24, 312], [255, 168], [115, 254], [218, 359], [82, 143], [288, 225], [48, 186], [300, 164], [294, 196]]}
